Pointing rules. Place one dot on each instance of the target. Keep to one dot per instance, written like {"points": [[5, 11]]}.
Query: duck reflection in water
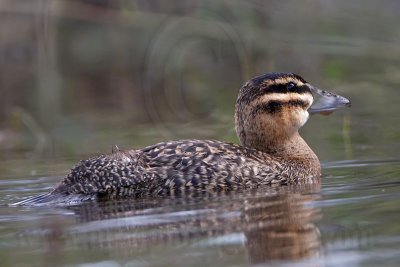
{"points": [[281, 227], [273, 224]]}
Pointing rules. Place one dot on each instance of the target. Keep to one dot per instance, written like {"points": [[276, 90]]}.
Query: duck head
{"points": [[271, 108]]}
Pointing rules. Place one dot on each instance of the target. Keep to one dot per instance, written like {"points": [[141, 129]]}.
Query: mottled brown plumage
{"points": [[269, 111]]}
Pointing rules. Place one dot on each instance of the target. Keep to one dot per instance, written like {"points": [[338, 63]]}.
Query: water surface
{"points": [[351, 220]]}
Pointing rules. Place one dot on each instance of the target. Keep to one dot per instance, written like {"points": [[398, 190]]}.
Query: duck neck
{"points": [[291, 147]]}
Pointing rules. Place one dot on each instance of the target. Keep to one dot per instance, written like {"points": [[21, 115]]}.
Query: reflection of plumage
{"points": [[269, 111], [272, 224]]}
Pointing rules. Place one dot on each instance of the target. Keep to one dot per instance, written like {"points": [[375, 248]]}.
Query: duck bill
{"points": [[326, 102]]}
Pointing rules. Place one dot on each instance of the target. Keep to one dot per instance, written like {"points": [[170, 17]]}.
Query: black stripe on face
{"points": [[274, 106], [285, 89]]}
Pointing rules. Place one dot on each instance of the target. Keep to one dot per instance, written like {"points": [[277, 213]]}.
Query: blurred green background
{"points": [[78, 76]]}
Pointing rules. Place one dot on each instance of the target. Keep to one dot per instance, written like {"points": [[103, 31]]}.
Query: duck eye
{"points": [[290, 86]]}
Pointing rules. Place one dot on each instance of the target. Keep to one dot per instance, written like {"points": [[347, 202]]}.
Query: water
{"points": [[75, 79], [350, 220]]}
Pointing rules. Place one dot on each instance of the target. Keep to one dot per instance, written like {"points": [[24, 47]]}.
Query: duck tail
{"points": [[38, 199], [54, 198]]}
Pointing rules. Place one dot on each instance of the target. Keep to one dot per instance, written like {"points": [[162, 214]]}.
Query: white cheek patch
{"points": [[303, 116], [309, 100]]}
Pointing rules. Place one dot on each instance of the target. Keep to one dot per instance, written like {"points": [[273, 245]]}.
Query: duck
{"points": [[269, 111]]}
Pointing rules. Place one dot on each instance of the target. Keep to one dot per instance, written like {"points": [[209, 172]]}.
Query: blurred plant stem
{"points": [[33, 127], [48, 78]]}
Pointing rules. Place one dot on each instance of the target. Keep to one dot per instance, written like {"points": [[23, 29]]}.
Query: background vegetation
{"points": [[77, 77]]}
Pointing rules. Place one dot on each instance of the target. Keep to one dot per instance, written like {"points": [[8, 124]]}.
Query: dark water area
{"points": [[79, 77]]}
